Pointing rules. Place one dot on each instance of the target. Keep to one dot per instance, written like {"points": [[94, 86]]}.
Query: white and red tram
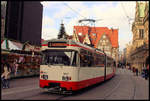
{"points": [[71, 66]]}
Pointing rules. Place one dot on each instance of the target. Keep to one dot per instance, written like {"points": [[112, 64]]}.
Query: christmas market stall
{"points": [[22, 60]]}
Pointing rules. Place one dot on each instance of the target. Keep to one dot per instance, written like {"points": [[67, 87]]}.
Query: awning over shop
{"points": [[14, 45], [17, 47], [11, 45], [4, 44], [5, 52]]}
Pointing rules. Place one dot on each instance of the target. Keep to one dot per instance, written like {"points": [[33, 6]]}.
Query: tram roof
{"points": [[72, 42]]}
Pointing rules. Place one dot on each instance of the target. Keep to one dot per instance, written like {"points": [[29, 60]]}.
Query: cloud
{"points": [[69, 9], [47, 22], [50, 4], [111, 13], [49, 33], [116, 17], [61, 13]]}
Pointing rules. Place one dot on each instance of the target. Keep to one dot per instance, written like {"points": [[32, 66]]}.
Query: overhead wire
{"points": [[125, 11], [81, 16], [128, 18], [73, 10]]}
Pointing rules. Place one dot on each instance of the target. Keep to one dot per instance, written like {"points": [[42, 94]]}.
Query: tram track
{"points": [[134, 84], [83, 91], [116, 81], [115, 88], [132, 80], [107, 90]]}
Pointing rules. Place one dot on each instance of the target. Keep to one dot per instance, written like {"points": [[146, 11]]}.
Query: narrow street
{"points": [[124, 86]]}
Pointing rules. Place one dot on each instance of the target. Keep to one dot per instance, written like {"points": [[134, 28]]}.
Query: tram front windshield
{"points": [[61, 57]]}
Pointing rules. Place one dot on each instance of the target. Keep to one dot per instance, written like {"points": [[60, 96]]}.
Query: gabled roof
{"points": [[87, 39], [99, 31]]}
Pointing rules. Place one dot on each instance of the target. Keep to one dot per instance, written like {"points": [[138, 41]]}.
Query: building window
{"points": [[80, 33], [94, 34], [104, 36], [103, 43], [141, 33]]}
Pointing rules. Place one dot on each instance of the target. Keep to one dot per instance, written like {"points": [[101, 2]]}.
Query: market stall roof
{"points": [[15, 45], [25, 52], [11, 45], [3, 51]]}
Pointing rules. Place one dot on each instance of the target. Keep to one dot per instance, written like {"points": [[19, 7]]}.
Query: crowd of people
{"points": [[13, 67], [144, 73]]}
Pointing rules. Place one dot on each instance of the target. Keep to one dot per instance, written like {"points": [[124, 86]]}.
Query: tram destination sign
{"points": [[57, 44]]}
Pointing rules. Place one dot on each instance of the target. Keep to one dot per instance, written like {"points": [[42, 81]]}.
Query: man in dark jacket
{"points": [[146, 74], [136, 70]]}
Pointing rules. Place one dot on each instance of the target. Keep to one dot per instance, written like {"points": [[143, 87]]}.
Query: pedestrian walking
{"points": [[148, 70], [146, 74], [16, 66], [136, 70], [6, 76], [133, 70]]}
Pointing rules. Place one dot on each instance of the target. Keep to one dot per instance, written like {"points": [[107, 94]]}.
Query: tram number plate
{"points": [[45, 77]]}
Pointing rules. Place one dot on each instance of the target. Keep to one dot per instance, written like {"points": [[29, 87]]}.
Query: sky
{"points": [[112, 14]]}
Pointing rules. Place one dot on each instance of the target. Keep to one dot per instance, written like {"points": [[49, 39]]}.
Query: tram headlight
{"points": [[44, 77], [66, 78]]}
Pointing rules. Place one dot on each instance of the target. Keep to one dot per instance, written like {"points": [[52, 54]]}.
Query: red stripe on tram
{"points": [[75, 85], [75, 46]]}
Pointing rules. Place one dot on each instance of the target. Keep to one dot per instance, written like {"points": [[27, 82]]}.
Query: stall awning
{"points": [[11, 45]]}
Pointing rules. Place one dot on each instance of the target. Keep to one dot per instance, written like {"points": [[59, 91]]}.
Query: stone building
{"points": [[3, 15], [140, 50], [23, 21], [102, 38], [146, 23]]}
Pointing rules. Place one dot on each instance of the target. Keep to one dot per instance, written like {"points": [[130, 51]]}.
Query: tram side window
{"points": [[90, 59], [110, 62], [99, 60], [84, 59]]}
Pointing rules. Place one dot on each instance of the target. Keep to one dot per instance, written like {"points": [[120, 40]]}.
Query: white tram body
{"points": [[71, 66]]}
